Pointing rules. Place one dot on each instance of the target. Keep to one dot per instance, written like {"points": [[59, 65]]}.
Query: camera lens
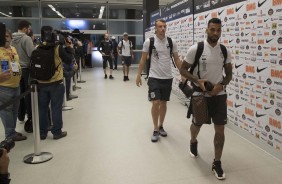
{"points": [[7, 144], [208, 85]]}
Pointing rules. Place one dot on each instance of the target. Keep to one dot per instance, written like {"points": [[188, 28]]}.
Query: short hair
{"points": [[9, 32], [23, 24], [214, 21], [30, 33], [159, 20]]}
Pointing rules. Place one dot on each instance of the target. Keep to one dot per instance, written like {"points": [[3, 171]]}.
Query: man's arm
{"points": [[177, 60], [228, 74], [185, 73], [140, 68]]}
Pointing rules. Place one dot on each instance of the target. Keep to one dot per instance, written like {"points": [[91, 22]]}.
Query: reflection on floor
{"points": [[108, 142]]}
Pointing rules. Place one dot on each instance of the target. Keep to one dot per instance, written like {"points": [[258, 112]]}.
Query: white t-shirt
{"points": [[160, 59], [125, 50], [210, 63]]}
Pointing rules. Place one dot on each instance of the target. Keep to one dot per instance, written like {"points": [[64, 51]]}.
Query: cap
{"points": [[113, 37], [125, 33]]}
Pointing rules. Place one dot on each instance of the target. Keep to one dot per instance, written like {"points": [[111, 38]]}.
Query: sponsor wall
{"points": [[252, 30]]}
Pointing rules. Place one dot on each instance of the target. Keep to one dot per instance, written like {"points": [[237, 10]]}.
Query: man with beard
{"points": [[210, 68], [106, 49]]}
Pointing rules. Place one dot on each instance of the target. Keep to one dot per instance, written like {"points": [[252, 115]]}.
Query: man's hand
{"points": [[216, 89], [79, 43], [138, 80], [6, 75], [4, 162], [75, 66]]}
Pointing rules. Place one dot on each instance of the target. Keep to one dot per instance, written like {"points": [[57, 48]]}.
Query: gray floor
{"points": [[108, 142]]}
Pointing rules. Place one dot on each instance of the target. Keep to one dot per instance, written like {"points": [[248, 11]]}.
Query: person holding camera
{"points": [[9, 89], [207, 78], [4, 167], [106, 49], [52, 90]]}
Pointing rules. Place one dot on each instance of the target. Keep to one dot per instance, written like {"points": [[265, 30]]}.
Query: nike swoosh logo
{"points": [[252, 21], [259, 115], [267, 41], [260, 70], [247, 34], [230, 94], [265, 20], [219, 13], [266, 108], [252, 84], [237, 9], [264, 87], [195, 18], [260, 4], [236, 106], [207, 15], [237, 66], [279, 48], [230, 41], [257, 97]]}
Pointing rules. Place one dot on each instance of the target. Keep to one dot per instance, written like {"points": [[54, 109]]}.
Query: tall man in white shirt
{"points": [[126, 53]]}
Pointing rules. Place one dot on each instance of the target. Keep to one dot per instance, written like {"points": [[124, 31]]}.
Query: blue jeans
{"points": [[54, 94], [10, 113]]}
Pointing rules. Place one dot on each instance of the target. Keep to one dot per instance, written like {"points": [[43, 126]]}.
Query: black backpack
{"points": [[42, 63], [151, 47], [130, 44], [200, 49]]}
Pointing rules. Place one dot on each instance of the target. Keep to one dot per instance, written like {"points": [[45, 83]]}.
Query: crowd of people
{"points": [[159, 50]]}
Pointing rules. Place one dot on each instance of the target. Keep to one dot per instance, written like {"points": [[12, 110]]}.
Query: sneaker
{"points": [[106, 76], [43, 137], [28, 127], [194, 149], [124, 78], [162, 131], [155, 136], [111, 77], [63, 134], [216, 168], [19, 137]]}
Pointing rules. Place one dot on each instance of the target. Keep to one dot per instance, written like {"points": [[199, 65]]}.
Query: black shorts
{"points": [[217, 108], [107, 59], [126, 60], [159, 89]]}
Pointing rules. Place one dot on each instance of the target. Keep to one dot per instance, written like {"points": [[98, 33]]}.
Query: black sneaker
{"points": [[216, 168], [162, 132], [194, 149], [111, 77], [155, 136], [28, 126], [59, 136], [106, 76]]}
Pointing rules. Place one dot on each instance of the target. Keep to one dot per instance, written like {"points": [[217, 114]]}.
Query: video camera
{"points": [[66, 36], [7, 144]]}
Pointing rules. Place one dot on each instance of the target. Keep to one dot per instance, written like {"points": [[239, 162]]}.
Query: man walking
{"points": [[126, 53], [160, 75], [211, 66], [106, 49]]}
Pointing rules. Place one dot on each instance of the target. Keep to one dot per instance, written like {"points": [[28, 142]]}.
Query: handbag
{"points": [[200, 110]]}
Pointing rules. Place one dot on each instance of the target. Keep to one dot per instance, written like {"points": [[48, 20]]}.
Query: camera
{"points": [[208, 85], [7, 144]]}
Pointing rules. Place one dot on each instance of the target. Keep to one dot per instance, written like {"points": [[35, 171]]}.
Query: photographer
{"points": [[4, 167], [53, 89]]}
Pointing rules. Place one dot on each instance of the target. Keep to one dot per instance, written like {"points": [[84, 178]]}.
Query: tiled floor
{"points": [[108, 142]]}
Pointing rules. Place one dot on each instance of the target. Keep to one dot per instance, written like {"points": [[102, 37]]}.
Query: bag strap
{"points": [[151, 47], [200, 49], [224, 52], [171, 47]]}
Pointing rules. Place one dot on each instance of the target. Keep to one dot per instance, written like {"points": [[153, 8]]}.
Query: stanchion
{"points": [[80, 66], [65, 106], [38, 156]]}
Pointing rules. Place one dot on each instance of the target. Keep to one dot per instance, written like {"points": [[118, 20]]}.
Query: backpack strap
{"points": [[151, 47], [224, 52], [200, 49], [171, 47]]}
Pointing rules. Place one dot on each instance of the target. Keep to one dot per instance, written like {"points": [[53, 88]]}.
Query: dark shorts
{"points": [[159, 89], [107, 59], [126, 60], [217, 107]]}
